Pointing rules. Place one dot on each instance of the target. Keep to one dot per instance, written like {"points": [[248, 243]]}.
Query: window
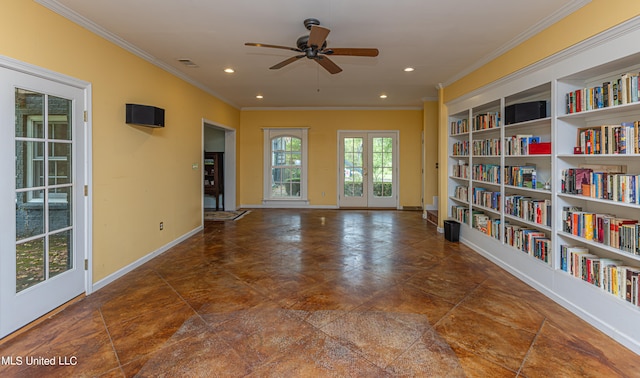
{"points": [[285, 170], [285, 166]]}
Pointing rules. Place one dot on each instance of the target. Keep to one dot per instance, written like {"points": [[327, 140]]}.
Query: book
{"points": [[605, 266], [581, 177]]}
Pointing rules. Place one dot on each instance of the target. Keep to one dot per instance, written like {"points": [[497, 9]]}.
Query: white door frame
{"points": [[85, 201], [367, 134]]}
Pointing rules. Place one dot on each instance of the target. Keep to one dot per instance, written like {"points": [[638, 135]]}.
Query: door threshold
{"points": [[41, 319], [365, 208]]}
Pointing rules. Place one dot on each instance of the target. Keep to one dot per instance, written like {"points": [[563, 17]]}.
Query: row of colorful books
{"points": [[460, 170], [608, 229], [527, 208], [461, 192], [529, 240], [486, 172], [619, 91], [486, 198], [614, 186], [524, 176], [486, 147], [461, 148], [611, 275], [460, 213], [621, 139], [519, 144], [486, 121], [460, 126], [485, 224]]}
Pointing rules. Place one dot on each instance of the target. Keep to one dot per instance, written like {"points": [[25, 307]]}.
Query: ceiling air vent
{"points": [[188, 62]]}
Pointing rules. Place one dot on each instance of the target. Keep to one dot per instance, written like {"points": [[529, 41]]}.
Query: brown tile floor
{"points": [[291, 293]]}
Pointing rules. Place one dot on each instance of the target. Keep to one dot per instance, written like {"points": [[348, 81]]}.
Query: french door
{"points": [[42, 202], [368, 169]]}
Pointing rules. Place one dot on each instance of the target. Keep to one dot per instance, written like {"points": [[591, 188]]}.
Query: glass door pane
{"points": [[354, 169], [382, 166], [44, 222]]}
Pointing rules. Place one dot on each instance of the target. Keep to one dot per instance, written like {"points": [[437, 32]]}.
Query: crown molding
{"points": [[76, 18], [535, 29], [311, 108], [613, 33]]}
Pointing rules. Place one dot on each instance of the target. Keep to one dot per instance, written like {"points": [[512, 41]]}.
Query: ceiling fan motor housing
{"points": [[309, 22], [302, 43]]}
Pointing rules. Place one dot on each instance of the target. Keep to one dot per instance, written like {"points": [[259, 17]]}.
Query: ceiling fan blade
{"points": [[286, 61], [351, 51], [328, 64], [317, 36], [272, 46]]}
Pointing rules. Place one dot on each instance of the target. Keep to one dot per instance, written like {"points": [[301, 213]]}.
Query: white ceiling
{"points": [[441, 39]]}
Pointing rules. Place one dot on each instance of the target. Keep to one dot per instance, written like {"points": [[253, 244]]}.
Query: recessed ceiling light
{"points": [[259, 97], [229, 70], [409, 69], [383, 96]]}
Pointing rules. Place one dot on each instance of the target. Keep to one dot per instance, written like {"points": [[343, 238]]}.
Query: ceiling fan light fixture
{"points": [[259, 97], [229, 70], [383, 96], [409, 69]]}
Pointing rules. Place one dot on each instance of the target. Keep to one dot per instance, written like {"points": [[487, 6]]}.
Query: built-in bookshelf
{"points": [[554, 198], [508, 198]]}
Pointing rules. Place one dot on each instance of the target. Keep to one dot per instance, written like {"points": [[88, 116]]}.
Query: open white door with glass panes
{"points": [[42, 221], [368, 169]]}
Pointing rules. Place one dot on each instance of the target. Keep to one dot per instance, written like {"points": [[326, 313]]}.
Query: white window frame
{"points": [[269, 134]]}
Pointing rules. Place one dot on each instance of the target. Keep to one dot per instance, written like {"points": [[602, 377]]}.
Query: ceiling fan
{"points": [[314, 46]]}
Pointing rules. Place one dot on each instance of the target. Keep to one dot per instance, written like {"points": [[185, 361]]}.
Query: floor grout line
{"points": [[180, 296], [459, 303], [526, 355], [106, 328]]}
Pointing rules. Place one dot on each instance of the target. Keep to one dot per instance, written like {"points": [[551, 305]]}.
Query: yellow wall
{"points": [[323, 154], [590, 20], [593, 18], [141, 176]]}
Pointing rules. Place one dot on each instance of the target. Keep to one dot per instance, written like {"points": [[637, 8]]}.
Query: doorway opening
{"points": [[219, 167]]}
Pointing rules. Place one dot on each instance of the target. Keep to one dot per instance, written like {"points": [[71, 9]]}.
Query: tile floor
{"points": [[326, 293]]}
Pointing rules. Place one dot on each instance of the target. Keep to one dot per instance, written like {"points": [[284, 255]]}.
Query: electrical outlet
{"points": [[161, 226]]}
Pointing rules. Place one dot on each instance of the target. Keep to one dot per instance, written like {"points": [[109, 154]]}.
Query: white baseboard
{"points": [[121, 272], [287, 206]]}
